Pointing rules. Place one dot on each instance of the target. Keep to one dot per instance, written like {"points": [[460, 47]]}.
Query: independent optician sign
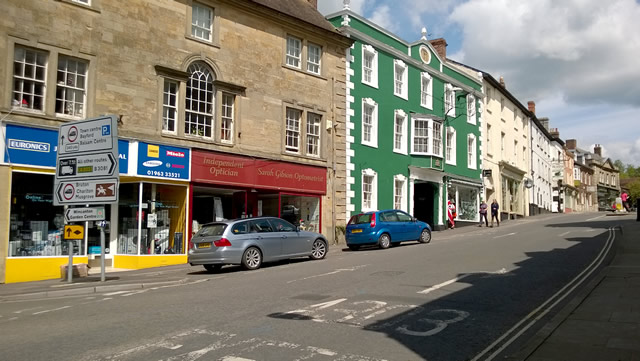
{"points": [[87, 162]]}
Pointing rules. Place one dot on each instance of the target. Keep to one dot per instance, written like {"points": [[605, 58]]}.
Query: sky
{"points": [[579, 60]]}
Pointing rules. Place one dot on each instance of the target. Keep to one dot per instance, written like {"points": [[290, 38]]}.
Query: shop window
{"points": [[303, 211], [467, 204], [36, 225], [156, 223]]}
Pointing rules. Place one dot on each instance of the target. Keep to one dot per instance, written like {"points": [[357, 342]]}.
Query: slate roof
{"points": [[300, 9]]}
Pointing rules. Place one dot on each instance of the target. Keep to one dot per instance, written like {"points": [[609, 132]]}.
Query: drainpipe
{"points": [[334, 126]]}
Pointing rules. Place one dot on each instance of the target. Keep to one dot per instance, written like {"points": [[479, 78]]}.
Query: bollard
{"points": [[638, 209]]}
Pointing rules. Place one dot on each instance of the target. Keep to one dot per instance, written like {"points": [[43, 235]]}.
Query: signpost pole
{"points": [[102, 277], [70, 267]]}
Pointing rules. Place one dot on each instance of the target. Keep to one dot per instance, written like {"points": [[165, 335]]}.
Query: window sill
{"points": [[93, 7], [299, 70], [426, 106], [398, 151], [302, 156], [450, 163], [401, 96], [370, 145], [373, 85], [201, 41]]}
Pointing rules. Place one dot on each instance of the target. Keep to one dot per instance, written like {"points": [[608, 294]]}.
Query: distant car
{"points": [[251, 241], [385, 228]]}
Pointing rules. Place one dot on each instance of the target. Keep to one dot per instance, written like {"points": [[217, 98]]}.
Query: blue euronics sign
{"points": [[162, 161], [34, 146]]}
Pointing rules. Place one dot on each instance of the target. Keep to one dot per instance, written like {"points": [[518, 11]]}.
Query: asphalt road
{"points": [[465, 296]]}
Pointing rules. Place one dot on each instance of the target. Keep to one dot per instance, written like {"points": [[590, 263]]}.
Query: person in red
{"points": [[625, 203], [451, 213]]}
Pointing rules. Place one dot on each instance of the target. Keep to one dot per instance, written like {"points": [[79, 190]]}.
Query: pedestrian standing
{"points": [[494, 212], [483, 213]]}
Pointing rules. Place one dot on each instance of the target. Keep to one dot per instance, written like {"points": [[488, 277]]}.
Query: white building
{"points": [[540, 193]]}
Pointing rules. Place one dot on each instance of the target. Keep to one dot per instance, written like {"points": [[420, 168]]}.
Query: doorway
{"points": [[424, 202]]}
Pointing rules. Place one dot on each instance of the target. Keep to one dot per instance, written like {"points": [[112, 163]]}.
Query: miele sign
{"points": [[163, 161]]}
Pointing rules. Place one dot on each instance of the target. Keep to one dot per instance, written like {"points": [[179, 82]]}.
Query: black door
{"points": [[424, 202]]}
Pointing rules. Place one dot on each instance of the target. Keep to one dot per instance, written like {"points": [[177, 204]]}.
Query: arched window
{"points": [[199, 101]]}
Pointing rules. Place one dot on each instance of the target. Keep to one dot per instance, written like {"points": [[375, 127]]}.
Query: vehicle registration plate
{"points": [[356, 231], [204, 245]]}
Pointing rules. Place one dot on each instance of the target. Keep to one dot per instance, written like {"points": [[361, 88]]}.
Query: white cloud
{"points": [[382, 17], [327, 7]]}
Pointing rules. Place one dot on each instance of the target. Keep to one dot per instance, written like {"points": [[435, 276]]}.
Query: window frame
{"points": [[195, 26], [290, 148], [212, 116], [404, 85], [403, 192], [450, 151], [293, 56], [370, 103], [373, 202], [430, 140], [374, 66], [319, 63], [309, 135], [426, 95], [471, 109], [472, 161], [227, 118], [402, 149], [35, 80], [304, 134], [176, 108], [449, 100]]}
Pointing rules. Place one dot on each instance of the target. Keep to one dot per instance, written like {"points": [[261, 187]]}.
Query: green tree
{"points": [[621, 168], [634, 191], [632, 172]]}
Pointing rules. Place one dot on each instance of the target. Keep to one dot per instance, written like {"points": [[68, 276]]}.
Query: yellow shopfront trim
{"points": [[140, 262], [26, 269]]}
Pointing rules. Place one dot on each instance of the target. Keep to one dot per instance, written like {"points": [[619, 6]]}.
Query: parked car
{"points": [[251, 241], [385, 228]]}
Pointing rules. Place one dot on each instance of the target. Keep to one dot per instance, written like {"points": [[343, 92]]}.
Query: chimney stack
{"points": [[502, 82], [572, 143], [314, 3], [544, 122], [554, 132], [532, 106], [440, 45], [598, 150]]}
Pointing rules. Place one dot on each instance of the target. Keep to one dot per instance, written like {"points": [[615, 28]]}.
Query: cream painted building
{"points": [[252, 85]]}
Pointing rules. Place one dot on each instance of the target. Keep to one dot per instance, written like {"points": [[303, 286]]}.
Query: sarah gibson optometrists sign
{"points": [[219, 168]]}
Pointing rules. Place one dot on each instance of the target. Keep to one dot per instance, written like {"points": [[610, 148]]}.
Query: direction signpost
{"points": [[87, 173]]}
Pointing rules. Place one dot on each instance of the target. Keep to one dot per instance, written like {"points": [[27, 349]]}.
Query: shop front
{"points": [[465, 194], [152, 209], [31, 240], [427, 192], [513, 194], [228, 186]]}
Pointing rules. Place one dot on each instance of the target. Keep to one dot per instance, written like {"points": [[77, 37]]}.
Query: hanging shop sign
{"points": [[38, 147], [162, 161], [219, 168]]}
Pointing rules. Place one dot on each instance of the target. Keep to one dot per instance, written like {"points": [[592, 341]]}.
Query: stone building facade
{"points": [[251, 87]]}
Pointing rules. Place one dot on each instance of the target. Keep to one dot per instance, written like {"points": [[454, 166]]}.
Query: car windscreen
{"points": [[360, 219], [209, 230]]}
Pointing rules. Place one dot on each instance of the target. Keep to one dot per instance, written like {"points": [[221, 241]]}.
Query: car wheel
{"points": [[354, 247], [212, 267], [425, 236], [318, 249], [384, 241], [251, 258]]}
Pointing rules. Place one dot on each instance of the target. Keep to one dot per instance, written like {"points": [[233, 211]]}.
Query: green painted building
{"points": [[413, 126]]}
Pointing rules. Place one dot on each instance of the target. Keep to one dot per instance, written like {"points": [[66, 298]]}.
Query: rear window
{"points": [[360, 219], [209, 230]]}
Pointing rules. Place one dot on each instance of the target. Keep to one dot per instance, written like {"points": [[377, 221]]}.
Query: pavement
{"points": [[600, 323]]}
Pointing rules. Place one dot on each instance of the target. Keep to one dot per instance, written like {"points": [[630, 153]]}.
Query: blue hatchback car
{"points": [[385, 228]]}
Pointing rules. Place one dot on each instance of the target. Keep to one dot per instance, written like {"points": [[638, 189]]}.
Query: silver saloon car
{"points": [[251, 241]]}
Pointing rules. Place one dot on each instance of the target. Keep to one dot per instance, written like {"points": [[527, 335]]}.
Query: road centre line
{"points": [[505, 235], [115, 293], [55, 309], [564, 234], [28, 309], [330, 273], [454, 280], [590, 268], [594, 218]]}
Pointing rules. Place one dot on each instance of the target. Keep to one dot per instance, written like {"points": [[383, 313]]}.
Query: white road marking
{"points": [[115, 293], [28, 309], [454, 280], [578, 280], [331, 273], [135, 293], [184, 284], [564, 234], [505, 235], [233, 358], [55, 309], [593, 219]]}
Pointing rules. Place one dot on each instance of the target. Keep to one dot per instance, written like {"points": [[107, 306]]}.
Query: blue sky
{"points": [[577, 59]]}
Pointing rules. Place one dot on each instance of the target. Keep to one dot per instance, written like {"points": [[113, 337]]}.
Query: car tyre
{"points": [[425, 236], [212, 267], [384, 241], [251, 258], [354, 247], [318, 250]]}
